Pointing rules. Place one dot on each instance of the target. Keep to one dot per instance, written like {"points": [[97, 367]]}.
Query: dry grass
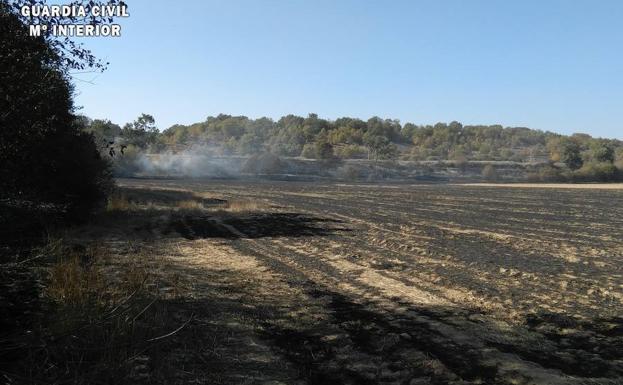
{"points": [[102, 317], [244, 205], [74, 279], [135, 274], [119, 202], [189, 205], [74, 283]]}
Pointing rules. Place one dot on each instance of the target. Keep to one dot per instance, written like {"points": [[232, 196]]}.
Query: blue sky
{"points": [[550, 65]]}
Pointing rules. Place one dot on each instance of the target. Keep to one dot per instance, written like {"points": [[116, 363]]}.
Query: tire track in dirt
{"points": [[457, 350]]}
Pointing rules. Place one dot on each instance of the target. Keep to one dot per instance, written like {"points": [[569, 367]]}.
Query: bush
{"points": [[489, 173], [324, 150], [309, 151], [546, 173], [83, 178], [266, 163], [597, 172]]}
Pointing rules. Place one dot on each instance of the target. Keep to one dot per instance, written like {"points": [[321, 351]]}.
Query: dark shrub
{"points": [[597, 172], [549, 173]]}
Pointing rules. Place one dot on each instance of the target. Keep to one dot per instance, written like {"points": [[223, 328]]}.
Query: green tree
{"points": [[379, 147], [324, 150], [570, 153], [250, 143], [142, 132], [601, 151]]}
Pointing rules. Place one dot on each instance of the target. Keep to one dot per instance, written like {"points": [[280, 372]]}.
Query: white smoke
{"points": [[194, 163]]}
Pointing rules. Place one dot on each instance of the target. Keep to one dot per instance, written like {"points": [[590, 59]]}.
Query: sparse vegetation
{"points": [[244, 205], [190, 205], [118, 202], [101, 318], [75, 282]]}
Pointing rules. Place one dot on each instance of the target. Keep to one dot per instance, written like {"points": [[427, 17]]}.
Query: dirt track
{"points": [[399, 284]]}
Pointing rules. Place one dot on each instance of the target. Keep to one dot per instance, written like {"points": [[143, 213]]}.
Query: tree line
{"points": [[376, 139]]}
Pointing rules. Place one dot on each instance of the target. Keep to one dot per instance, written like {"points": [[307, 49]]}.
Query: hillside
{"points": [[546, 156]]}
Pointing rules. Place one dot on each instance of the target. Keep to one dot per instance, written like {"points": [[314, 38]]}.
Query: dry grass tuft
{"points": [[103, 314], [242, 205], [75, 277], [73, 282], [189, 205], [119, 202], [135, 274]]}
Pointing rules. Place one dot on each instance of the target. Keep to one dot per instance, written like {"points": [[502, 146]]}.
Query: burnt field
{"points": [[293, 283], [413, 284]]}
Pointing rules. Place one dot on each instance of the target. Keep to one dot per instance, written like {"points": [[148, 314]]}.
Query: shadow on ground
{"points": [[359, 345], [239, 333]]}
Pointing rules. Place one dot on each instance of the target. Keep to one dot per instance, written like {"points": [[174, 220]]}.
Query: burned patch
{"points": [[283, 225], [255, 225], [166, 197], [578, 347]]}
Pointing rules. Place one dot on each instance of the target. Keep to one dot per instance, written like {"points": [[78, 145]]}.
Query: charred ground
{"points": [[363, 284]]}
